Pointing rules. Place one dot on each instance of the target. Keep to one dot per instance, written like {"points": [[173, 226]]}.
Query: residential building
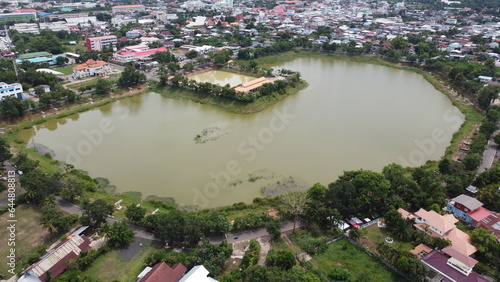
{"points": [[128, 9], [465, 207], [55, 260], [161, 272], [252, 86], [471, 211], [438, 264], [443, 226], [130, 56], [17, 18], [101, 42], [91, 68], [197, 274], [14, 90]]}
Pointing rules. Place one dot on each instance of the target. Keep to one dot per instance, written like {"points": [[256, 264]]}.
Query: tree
{"points": [[497, 139], [131, 77], [487, 128], [104, 230], [191, 54], [102, 86], [484, 240], [95, 213], [472, 161], [294, 204], [170, 227], [135, 213], [283, 259], [61, 60], [120, 234], [215, 223], [5, 154], [11, 107], [490, 197], [273, 227]]}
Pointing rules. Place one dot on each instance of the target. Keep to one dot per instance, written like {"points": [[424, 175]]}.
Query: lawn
{"points": [[91, 81], [121, 264], [344, 255], [66, 70], [29, 235], [377, 235]]}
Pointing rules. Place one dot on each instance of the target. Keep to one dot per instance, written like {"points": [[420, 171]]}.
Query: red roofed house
{"points": [[161, 272], [91, 68], [26, 11], [130, 56], [443, 226], [471, 211], [55, 260]]}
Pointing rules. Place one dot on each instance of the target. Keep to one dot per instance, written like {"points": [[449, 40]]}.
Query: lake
{"points": [[351, 116]]}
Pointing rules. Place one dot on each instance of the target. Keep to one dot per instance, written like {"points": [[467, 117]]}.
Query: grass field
{"points": [[377, 235], [344, 255], [66, 70], [29, 236], [121, 265]]}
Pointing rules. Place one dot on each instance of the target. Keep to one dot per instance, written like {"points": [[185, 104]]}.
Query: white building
{"points": [[101, 42], [14, 90], [197, 274], [91, 68], [26, 28], [129, 56]]}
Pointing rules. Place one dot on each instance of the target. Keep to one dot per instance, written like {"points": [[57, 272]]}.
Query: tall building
{"points": [[101, 42]]}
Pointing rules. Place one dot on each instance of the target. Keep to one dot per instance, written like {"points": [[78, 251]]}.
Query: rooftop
{"points": [[468, 202]]}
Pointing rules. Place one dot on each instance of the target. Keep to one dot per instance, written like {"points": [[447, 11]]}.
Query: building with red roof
{"points": [[91, 68], [161, 272], [54, 261], [130, 56]]}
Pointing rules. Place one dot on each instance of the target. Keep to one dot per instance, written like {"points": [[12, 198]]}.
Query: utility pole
{"points": [[11, 50]]}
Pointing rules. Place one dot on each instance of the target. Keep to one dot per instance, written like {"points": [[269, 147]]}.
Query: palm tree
{"points": [[104, 230], [48, 224], [49, 201]]}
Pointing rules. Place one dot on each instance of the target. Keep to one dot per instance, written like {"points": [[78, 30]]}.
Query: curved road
{"points": [[235, 237]]}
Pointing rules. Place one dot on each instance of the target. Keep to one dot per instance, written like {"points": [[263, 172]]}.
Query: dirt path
{"points": [[265, 246]]}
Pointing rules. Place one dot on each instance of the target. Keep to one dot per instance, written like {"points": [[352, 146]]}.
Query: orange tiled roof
{"points": [[90, 64]]}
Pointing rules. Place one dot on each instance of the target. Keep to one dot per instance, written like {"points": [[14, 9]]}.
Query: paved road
{"points": [[231, 237], [489, 154]]}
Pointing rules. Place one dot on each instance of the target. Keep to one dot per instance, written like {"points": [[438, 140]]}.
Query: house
{"points": [[465, 206], [472, 211], [161, 272], [197, 274], [438, 264], [91, 68], [14, 90], [443, 226], [253, 85], [54, 261]]}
